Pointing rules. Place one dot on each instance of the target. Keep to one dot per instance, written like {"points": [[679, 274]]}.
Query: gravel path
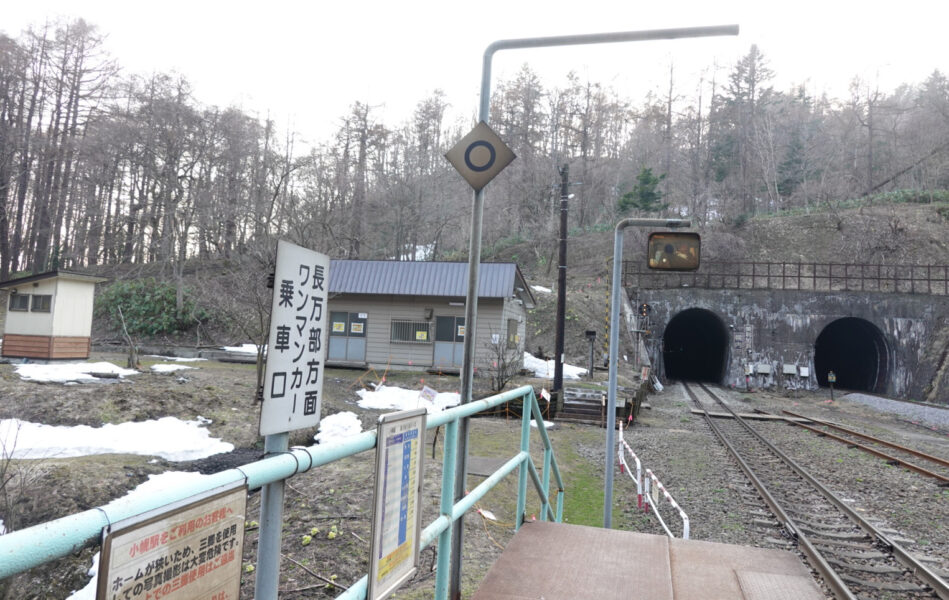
{"points": [[931, 415]]}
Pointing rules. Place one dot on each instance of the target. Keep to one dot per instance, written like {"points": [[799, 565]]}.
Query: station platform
{"points": [[557, 561]]}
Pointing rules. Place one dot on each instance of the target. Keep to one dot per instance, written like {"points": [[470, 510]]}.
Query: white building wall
{"points": [[28, 322], [72, 308]]}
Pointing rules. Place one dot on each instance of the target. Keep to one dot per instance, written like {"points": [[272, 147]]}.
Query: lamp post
{"points": [[474, 245], [614, 349]]}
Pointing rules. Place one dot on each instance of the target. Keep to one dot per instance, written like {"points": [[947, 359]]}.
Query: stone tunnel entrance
{"points": [[695, 346], [855, 350]]}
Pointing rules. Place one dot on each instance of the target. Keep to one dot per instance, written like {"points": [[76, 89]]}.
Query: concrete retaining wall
{"points": [[780, 328]]}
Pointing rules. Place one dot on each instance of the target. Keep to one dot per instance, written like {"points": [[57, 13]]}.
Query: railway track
{"points": [[856, 560], [894, 454]]}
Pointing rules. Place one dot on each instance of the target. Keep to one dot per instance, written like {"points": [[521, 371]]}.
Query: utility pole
{"points": [[561, 281]]}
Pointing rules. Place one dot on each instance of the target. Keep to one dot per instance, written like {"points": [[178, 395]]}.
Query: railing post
{"points": [[526, 409], [267, 580], [548, 454], [443, 570]]}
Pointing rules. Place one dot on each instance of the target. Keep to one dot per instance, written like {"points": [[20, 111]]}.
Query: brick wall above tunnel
{"points": [[769, 330]]}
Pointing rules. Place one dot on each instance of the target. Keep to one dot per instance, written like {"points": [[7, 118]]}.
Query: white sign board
{"points": [[296, 347], [191, 549], [397, 516], [480, 156]]}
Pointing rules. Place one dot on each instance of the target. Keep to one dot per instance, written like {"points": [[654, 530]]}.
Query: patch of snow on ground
{"points": [[69, 372], [154, 485], [540, 288], [169, 368], [545, 368], [387, 397], [337, 427], [168, 437], [243, 349], [174, 358]]}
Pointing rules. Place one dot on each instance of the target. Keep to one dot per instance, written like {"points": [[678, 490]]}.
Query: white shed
{"points": [[49, 315]]}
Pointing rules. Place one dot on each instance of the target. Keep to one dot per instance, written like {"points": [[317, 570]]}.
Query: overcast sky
{"points": [[305, 62]]}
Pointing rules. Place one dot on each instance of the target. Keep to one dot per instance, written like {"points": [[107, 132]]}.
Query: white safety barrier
{"points": [[647, 494], [652, 499], [624, 468]]}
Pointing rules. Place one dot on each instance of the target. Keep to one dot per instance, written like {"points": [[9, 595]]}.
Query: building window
{"points": [[19, 302], [410, 332], [41, 302], [512, 337]]}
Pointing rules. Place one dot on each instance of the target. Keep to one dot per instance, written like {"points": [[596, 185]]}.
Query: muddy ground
{"points": [[667, 437]]}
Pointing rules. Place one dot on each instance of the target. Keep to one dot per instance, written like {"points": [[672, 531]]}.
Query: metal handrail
{"points": [[27, 548], [803, 276]]}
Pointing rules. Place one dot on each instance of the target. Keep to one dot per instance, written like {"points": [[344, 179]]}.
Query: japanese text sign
{"points": [[397, 514], [185, 551], [293, 381]]}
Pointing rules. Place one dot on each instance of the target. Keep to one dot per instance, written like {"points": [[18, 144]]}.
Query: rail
{"points": [[804, 276], [31, 547]]}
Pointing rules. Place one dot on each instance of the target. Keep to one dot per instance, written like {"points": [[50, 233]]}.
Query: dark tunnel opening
{"points": [[695, 346], [855, 350]]}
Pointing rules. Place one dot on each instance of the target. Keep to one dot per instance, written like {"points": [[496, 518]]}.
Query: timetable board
{"points": [[396, 522]]}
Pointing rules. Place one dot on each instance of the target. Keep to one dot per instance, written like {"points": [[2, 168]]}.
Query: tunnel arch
{"points": [[855, 350], [695, 346]]}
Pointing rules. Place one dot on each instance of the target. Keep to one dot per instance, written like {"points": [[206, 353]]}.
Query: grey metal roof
{"points": [[417, 278]]}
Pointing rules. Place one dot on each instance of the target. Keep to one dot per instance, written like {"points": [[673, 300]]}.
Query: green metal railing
{"points": [[43, 543]]}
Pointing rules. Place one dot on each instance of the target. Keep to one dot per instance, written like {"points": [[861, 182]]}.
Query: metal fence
{"points": [[26, 548], [816, 277]]}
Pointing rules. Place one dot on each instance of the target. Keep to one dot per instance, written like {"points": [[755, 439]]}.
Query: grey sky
{"points": [[306, 62]]}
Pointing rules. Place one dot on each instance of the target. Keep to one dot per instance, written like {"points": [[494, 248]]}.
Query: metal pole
{"points": [[561, 283], [474, 252], [267, 580], [614, 349], [592, 344], [467, 370]]}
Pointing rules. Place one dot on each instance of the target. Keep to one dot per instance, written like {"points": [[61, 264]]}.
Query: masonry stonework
{"points": [[780, 327]]}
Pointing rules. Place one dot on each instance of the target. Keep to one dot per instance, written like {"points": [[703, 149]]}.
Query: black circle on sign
{"points": [[474, 145]]}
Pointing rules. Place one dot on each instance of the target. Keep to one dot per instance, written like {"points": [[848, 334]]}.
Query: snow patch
{"points": [[243, 349], [545, 368], [70, 372], [386, 397], [174, 358], [337, 427], [169, 368], [25, 440]]}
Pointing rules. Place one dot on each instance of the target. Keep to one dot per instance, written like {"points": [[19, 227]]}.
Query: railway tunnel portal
{"points": [[884, 341]]}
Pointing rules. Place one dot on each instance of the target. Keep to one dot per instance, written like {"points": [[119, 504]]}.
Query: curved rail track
{"points": [[895, 454], [856, 560]]}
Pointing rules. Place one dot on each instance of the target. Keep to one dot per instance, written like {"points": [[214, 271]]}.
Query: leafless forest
{"points": [[99, 167]]}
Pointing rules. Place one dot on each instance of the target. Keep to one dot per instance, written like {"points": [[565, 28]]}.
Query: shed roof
{"points": [[418, 278], [71, 275]]}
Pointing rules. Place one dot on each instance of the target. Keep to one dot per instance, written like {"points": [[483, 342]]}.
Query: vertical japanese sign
{"points": [[296, 347], [396, 519], [191, 549]]}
